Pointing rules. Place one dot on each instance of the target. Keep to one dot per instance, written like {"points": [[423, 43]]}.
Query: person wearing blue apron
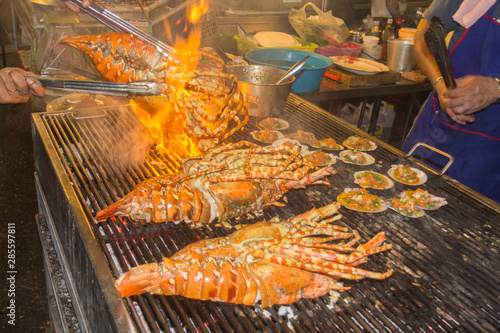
{"points": [[464, 121]]}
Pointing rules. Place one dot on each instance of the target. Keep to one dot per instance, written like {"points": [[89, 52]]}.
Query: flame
{"points": [[198, 11], [158, 113]]}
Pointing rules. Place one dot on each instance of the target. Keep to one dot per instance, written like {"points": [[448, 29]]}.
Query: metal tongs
{"points": [[435, 40], [118, 24], [139, 88]]}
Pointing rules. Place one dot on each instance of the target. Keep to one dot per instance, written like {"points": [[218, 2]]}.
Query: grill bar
{"points": [[445, 278]]}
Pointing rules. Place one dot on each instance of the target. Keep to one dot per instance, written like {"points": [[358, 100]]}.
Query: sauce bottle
{"points": [[396, 29], [388, 32], [375, 30]]}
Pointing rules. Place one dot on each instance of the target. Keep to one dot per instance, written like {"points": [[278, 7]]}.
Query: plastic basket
{"points": [[245, 46]]}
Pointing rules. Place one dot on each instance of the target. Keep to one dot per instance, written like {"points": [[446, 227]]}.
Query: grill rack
{"points": [[444, 279]]}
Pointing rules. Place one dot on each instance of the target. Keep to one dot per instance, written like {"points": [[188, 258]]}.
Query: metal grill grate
{"points": [[446, 264]]}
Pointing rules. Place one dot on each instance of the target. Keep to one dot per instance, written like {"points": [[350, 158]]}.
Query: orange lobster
{"points": [[198, 98], [271, 262], [229, 181]]}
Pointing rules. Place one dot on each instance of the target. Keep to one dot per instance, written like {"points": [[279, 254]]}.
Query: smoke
{"points": [[124, 140], [132, 149]]}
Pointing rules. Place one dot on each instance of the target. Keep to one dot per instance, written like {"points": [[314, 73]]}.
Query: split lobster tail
{"points": [[108, 212], [267, 262], [131, 283], [229, 181]]}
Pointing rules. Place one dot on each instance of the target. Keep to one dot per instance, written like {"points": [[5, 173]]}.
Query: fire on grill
{"points": [[199, 107]]}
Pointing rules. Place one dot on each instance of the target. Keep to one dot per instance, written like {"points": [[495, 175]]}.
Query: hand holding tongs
{"points": [[118, 24], [139, 88], [435, 40]]}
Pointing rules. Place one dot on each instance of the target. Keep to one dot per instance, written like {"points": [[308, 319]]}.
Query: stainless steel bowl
{"points": [[264, 97]]}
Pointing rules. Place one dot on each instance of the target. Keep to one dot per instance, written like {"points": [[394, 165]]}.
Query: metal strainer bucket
{"points": [[264, 97]]}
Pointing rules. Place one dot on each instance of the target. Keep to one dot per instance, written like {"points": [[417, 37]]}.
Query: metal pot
{"points": [[400, 57], [265, 98]]}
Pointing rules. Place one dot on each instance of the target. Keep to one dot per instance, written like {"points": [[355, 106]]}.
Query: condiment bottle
{"points": [[375, 30], [396, 29], [388, 32], [364, 27]]}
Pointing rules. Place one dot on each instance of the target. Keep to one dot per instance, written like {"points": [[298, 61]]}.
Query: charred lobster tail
{"points": [[256, 262], [229, 181]]}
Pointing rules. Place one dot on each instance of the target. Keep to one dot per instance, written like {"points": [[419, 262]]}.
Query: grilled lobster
{"points": [[199, 99], [271, 262], [229, 181]]}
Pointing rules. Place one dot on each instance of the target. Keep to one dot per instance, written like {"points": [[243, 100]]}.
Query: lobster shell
{"points": [[229, 181], [270, 262]]}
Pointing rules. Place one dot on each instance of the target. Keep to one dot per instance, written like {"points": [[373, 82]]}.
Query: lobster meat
{"points": [[272, 262], [229, 181], [198, 98]]}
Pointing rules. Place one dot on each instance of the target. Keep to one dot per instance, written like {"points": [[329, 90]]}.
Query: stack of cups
{"points": [[372, 49]]}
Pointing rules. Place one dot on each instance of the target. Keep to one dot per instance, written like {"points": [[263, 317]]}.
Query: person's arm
{"points": [[427, 64], [85, 4], [16, 88]]}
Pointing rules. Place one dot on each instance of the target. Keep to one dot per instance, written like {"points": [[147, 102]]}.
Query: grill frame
{"points": [[429, 248]]}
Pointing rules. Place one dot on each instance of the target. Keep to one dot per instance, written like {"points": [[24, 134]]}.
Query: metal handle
{"points": [[435, 150], [118, 24], [140, 88], [293, 70]]}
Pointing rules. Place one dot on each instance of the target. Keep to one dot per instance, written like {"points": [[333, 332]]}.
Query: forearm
{"points": [[425, 60]]}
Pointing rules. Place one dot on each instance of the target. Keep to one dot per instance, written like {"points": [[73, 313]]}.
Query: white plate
{"points": [[420, 174], [359, 66], [275, 39], [369, 159]]}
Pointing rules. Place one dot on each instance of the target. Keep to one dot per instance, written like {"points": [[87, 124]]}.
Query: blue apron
{"points": [[476, 146]]}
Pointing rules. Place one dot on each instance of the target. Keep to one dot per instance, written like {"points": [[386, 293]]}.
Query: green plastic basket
{"points": [[245, 46]]}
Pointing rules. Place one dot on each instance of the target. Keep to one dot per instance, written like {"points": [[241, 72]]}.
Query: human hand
{"points": [[472, 94], [15, 88], [85, 4], [444, 101]]}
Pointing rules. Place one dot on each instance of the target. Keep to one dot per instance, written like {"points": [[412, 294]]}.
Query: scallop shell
{"points": [[421, 175], [373, 145], [255, 135], [390, 183], [383, 205], [369, 159], [333, 159], [283, 124]]}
